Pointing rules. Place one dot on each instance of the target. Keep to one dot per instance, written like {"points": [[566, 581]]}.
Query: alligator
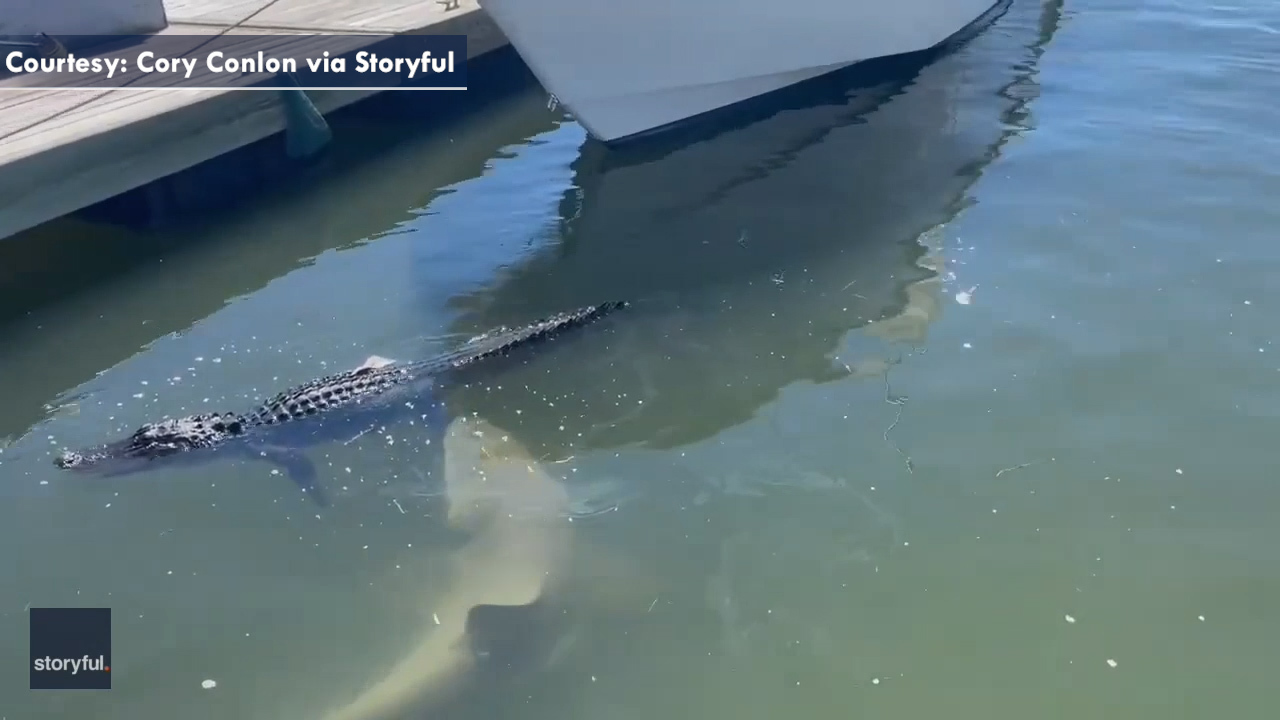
{"points": [[343, 405]]}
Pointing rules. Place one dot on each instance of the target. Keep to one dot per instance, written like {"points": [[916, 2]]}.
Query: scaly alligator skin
{"points": [[372, 381]]}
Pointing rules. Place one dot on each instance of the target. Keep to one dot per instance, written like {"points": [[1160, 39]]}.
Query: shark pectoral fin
{"points": [[300, 470], [512, 637]]}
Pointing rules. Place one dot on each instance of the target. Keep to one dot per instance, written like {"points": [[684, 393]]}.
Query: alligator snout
{"points": [[68, 460]]}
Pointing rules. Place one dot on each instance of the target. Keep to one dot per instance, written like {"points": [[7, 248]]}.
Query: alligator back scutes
{"points": [[329, 392], [193, 431], [368, 381], [504, 340], [208, 430]]}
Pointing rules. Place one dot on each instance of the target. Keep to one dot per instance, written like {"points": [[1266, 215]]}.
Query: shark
{"points": [[516, 592], [516, 516]]}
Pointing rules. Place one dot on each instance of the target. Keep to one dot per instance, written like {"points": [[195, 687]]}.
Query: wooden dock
{"points": [[65, 150]]}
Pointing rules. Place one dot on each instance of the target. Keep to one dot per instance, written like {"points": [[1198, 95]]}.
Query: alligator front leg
{"points": [[298, 467]]}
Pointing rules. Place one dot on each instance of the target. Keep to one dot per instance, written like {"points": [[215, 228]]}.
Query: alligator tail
{"points": [[503, 341]]}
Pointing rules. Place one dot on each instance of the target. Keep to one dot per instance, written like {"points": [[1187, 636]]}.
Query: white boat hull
{"points": [[627, 68]]}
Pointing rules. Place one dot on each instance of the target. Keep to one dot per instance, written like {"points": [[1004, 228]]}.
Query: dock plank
{"points": [[64, 150], [391, 16]]}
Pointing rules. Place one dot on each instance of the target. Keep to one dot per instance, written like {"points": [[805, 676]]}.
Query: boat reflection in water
{"points": [[749, 256], [750, 253]]}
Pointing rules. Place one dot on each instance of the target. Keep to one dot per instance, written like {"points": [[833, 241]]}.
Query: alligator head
{"points": [[154, 441]]}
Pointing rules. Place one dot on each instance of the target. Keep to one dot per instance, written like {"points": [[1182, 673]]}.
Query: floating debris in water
{"points": [[964, 297], [209, 684], [1111, 663], [1068, 618]]}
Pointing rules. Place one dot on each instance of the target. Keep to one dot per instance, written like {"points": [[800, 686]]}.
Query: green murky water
{"points": [[955, 398]]}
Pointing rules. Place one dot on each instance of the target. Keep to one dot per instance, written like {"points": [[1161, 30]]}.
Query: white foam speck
{"points": [[209, 684]]}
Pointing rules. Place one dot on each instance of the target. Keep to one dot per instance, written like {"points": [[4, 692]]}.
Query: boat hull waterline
{"points": [[624, 69]]}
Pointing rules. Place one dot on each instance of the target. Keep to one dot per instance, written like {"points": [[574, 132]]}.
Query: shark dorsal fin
{"points": [[375, 362]]}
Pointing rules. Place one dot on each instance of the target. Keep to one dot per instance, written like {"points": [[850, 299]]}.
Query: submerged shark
{"points": [[516, 594], [516, 516], [336, 407]]}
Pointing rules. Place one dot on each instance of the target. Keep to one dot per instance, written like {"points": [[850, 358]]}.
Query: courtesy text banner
{"points": [[245, 61]]}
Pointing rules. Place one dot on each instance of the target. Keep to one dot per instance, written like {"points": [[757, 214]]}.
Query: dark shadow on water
{"points": [[752, 252], [371, 182], [73, 255]]}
